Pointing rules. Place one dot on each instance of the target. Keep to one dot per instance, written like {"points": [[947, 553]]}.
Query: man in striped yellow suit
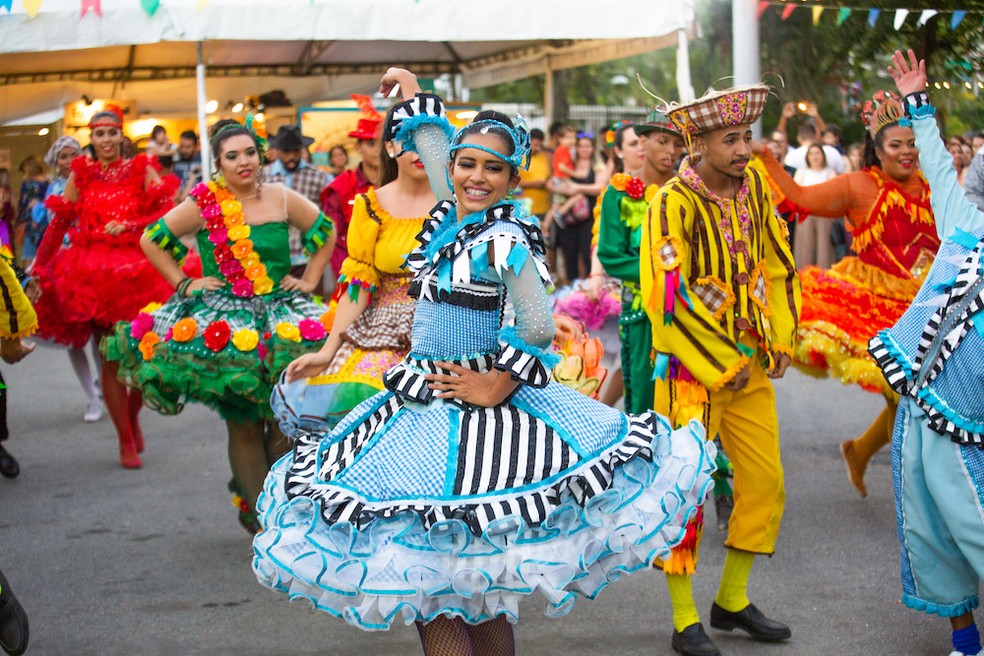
{"points": [[722, 293]]}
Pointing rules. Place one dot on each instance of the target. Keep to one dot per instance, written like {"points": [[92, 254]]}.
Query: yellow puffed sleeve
{"points": [[17, 317], [359, 269], [682, 324]]}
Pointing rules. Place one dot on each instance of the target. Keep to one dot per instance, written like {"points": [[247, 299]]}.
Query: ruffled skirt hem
{"points": [[402, 565]]}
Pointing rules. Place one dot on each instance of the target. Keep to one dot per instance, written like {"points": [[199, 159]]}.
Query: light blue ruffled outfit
{"points": [[934, 358], [414, 507]]}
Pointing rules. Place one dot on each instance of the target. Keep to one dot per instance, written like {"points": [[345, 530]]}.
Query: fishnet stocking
{"points": [[453, 637], [493, 638]]}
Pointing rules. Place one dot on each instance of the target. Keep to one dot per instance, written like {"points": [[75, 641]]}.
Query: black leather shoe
{"points": [[750, 620], [692, 641], [14, 630], [8, 466]]}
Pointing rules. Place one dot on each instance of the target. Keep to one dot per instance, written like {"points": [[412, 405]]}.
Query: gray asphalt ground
{"points": [[112, 562]]}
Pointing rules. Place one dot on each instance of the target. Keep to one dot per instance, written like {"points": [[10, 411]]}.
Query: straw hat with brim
{"points": [[289, 137], [656, 121], [367, 129], [720, 109]]}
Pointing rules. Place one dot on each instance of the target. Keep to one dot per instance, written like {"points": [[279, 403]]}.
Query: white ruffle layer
{"points": [[394, 569]]}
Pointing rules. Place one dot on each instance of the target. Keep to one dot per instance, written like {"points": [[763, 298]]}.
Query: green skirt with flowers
{"points": [[217, 348]]}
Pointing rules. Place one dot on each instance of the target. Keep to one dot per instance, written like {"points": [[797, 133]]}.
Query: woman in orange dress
{"points": [[894, 235]]}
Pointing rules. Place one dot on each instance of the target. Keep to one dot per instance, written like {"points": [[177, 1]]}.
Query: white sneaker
{"points": [[960, 653], [94, 412]]}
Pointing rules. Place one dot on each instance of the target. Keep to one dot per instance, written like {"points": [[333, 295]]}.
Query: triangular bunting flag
{"points": [[842, 15], [817, 13], [957, 17], [900, 15], [787, 10], [32, 7], [6, 4], [150, 6], [763, 5], [873, 16], [95, 5], [925, 16]]}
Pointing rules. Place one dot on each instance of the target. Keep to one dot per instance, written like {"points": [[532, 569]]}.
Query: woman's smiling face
{"points": [[480, 179]]}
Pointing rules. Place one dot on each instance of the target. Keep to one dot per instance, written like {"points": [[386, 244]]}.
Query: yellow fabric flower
{"points": [[239, 232], [250, 260], [230, 207], [288, 332], [245, 339], [147, 343], [185, 330], [151, 307], [619, 180], [262, 285]]}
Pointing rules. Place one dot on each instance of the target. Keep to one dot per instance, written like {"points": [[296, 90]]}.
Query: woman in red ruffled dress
{"points": [[102, 276]]}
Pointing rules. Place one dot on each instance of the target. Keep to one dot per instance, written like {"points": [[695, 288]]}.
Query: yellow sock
{"points": [[733, 594], [682, 598]]}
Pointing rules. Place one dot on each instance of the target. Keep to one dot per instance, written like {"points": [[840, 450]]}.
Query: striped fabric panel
{"points": [[522, 367]]}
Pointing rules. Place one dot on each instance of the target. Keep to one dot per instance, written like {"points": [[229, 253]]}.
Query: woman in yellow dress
{"points": [[371, 329]]}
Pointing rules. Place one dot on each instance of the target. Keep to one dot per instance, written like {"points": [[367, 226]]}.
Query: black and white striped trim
{"points": [[943, 333], [891, 368], [426, 104], [407, 381], [474, 294], [417, 260], [523, 367], [493, 455]]}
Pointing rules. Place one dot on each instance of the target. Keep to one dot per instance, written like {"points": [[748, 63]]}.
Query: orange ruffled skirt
{"points": [[844, 307]]}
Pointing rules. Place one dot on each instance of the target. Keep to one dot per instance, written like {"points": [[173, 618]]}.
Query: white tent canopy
{"points": [[312, 49]]}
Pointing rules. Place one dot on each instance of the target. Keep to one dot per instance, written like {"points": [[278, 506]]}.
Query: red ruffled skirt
{"points": [[88, 288], [843, 308]]}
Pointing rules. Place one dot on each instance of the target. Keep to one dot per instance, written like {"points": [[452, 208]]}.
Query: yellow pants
{"points": [[749, 428]]}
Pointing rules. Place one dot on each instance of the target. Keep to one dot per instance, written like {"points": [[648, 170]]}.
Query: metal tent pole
{"points": [[202, 113]]}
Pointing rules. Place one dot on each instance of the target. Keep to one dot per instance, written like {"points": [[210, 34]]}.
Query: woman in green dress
{"points": [[224, 338]]}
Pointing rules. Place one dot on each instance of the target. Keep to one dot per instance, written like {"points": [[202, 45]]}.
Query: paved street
{"points": [[111, 562]]}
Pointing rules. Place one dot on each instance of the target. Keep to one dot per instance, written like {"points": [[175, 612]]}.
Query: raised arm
{"points": [[951, 208], [831, 199]]}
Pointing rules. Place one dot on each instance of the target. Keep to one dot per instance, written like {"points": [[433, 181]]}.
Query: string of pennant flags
{"points": [[843, 13], [32, 7]]}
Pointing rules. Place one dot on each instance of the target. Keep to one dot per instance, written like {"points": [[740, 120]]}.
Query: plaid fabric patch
{"points": [[668, 251], [723, 109], [714, 294]]}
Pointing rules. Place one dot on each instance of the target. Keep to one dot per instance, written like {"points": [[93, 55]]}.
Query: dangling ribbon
{"points": [[95, 5]]}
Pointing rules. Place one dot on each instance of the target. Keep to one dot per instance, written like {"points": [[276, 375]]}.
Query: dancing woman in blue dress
{"points": [[472, 481]]}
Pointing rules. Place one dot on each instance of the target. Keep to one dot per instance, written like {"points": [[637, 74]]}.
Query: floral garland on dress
{"points": [[228, 232]]}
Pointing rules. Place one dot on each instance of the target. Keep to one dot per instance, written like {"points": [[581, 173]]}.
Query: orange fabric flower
{"points": [[242, 249], [256, 271], [619, 180], [250, 260], [233, 220], [185, 330], [220, 193], [147, 343], [328, 318]]}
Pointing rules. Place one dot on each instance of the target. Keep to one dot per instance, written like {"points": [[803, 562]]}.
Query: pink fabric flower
{"points": [[261, 350], [230, 267], [141, 325], [211, 212], [199, 189], [169, 334], [220, 236], [311, 330], [243, 288]]}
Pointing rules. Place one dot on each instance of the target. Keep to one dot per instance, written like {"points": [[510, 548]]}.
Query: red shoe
{"points": [[128, 454], [138, 441]]}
